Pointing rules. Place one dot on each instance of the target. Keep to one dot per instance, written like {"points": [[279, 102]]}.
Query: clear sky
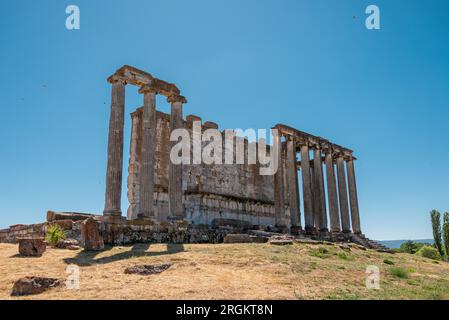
{"points": [[243, 64]]}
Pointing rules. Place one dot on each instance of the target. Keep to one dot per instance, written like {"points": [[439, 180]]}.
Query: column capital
{"points": [[176, 98], [327, 148], [116, 78], [149, 88], [348, 156]]}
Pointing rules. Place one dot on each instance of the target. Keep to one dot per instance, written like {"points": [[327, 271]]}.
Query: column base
{"points": [[310, 230], [296, 230], [175, 218], [117, 213], [143, 216], [113, 219]]}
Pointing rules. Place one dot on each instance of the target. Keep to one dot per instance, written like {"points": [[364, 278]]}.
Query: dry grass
{"points": [[229, 271]]}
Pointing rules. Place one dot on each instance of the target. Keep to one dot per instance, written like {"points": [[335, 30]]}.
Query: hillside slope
{"points": [[230, 271]]}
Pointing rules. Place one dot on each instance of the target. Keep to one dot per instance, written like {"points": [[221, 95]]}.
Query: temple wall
{"points": [[209, 191]]}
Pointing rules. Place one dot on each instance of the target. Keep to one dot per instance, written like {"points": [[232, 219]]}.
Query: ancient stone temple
{"points": [[311, 169], [312, 194]]}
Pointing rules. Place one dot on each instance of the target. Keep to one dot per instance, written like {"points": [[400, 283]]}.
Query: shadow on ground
{"points": [[88, 258]]}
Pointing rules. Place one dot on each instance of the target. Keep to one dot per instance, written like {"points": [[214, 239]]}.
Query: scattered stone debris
{"points": [[91, 239], [244, 238], [386, 251], [70, 244], [307, 241], [32, 247], [148, 269], [34, 285], [281, 240], [345, 247]]}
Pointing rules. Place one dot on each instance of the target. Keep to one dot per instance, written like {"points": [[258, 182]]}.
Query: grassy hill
{"points": [[231, 271]]}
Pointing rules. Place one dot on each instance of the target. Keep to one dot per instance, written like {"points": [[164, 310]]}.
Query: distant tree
{"points": [[435, 218], [446, 232], [408, 247]]}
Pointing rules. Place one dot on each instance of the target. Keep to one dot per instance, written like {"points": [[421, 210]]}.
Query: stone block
{"points": [[91, 237], [32, 247], [34, 285]]}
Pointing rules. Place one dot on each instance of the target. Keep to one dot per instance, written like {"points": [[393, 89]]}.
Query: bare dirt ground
{"points": [[229, 271]]}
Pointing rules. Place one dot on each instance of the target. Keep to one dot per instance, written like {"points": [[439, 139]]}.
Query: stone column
{"points": [[316, 215], [146, 171], [293, 188], [320, 191], [332, 193], [307, 191], [175, 206], [133, 166], [343, 195], [279, 203], [115, 149], [353, 199]]}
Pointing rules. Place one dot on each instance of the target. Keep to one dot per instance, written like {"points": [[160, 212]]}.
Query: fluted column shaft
{"points": [[115, 150], [321, 193], [279, 204], [175, 170], [293, 188], [332, 194], [146, 171], [353, 199], [133, 167], [343, 195], [307, 191]]}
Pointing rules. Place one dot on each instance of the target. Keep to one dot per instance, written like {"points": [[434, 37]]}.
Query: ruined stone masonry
{"points": [[202, 202], [198, 193]]}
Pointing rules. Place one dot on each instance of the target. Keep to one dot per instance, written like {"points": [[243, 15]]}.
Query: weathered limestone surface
{"points": [[115, 149], [244, 238], [74, 216], [320, 197], [133, 182], [332, 194], [175, 205], [32, 247], [146, 168], [279, 190], [307, 190], [353, 199], [210, 191], [34, 285], [91, 235], [343, 195], [293, 187]]}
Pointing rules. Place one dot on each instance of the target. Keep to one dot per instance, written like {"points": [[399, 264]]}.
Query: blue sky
{"points": [[243, 64]]}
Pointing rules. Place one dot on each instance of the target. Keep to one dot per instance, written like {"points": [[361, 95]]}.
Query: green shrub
{"points": [[387, 261], [320, 253], [342, 256], [429, 252], [399, 272], [408, 247], [54, 234]]}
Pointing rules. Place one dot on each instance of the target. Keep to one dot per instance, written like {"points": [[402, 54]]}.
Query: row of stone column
{"points": [[147, 153], [341, 212]]}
